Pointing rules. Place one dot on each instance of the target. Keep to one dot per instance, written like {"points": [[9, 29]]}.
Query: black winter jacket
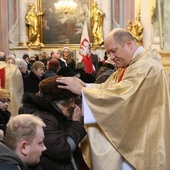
{"points": [[4, 118], [11, 161], [31, 83], [58, 128]]}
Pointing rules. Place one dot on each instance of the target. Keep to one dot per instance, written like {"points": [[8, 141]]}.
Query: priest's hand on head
{"points": [[80, 81], [71, 83]]}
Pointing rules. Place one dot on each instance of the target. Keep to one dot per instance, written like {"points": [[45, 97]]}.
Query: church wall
{"points": [[4, 26], [19, 47], [117, 13]]}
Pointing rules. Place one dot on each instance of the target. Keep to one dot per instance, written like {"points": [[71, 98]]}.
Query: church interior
{"points": [[152, 16], [64, 44]]}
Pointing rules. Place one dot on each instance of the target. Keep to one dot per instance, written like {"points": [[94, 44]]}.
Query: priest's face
{"points": [[119, 54]]}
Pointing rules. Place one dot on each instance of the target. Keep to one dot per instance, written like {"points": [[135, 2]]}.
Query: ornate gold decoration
{"points": [[32, 20], [136, 29], [97, 17], [66, 6], [42, 18], [129, 26]]}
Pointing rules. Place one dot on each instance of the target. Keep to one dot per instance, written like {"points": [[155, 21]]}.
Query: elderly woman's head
{"points": [[63, 98], [38, 68], [49, 88], [22, 65]]}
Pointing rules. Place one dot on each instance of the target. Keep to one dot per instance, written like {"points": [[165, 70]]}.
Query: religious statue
{"points": [[136, 29], [97, 17], [129, 26], [32, 21]]}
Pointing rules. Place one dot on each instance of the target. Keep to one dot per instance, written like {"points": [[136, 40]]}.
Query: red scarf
{"points": [[2, 78], [121, 74]]}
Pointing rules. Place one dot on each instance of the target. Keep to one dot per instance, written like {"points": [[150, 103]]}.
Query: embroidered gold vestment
{"points": [[133, 118]]}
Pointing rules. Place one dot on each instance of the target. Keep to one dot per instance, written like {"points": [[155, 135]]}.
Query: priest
{"points": [[128, 116], [11, 79]]}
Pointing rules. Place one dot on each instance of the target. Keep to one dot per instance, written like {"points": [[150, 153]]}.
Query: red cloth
{"points": [[2, 78], [87, 60], [121, 75], [86, 56]]}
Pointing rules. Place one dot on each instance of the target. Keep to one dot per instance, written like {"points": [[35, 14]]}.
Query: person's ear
{"points": [[24, 148], [129, 43]]}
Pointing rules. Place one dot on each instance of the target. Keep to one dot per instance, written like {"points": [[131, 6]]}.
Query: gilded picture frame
{"points": [[61, 29]]}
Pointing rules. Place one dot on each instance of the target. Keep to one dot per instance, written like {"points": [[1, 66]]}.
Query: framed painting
{"points": [[61, 29]]}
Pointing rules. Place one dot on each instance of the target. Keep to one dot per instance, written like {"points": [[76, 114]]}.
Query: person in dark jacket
{"points": [[55, 55], [104, 72], [53, 67], [64, 128], [36, 75], [23, 143], [68, 58], [23, 67], [4, 113], [85, 77], [10, 160]]}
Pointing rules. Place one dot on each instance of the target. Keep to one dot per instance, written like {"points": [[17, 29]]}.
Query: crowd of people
{"points": [[35, 68], [69, 119], [59, 109]]}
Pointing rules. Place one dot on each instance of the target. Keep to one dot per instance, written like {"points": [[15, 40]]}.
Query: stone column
{"points": [[146, 22], [23, 8], [166, 25], [107, 9], [4, 38], [121, 13]]}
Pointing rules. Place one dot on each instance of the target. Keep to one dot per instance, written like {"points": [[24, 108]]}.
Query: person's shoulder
{"points": [[9, 160], [7, 166], [87, 78], [2, 64], [12, 66], [94, 55], [12, 70], [32, 77], [35, 167], [49, 73], [6, 114]]}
